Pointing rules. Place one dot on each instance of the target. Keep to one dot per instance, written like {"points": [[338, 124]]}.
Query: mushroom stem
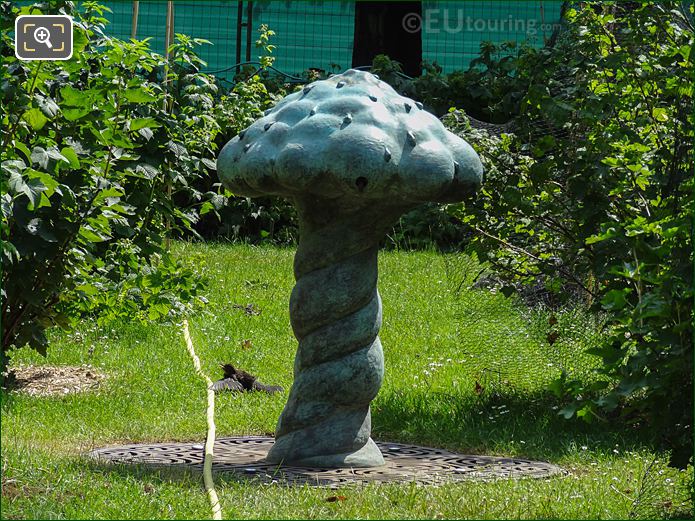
{"points": [[335, 311]]}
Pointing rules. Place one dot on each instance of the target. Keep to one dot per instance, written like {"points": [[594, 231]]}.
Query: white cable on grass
{"points": [[210, 439]]}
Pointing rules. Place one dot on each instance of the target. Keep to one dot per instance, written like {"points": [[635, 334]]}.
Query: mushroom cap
{"points": [[351, 136]]}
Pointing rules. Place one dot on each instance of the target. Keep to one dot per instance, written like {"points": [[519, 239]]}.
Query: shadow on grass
{"points": [[503, 424], [7, 399]]}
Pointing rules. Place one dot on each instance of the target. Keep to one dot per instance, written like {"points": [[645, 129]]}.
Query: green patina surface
{"points": [[352, 155]]}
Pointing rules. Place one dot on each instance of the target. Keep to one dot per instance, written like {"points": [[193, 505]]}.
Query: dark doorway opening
{"points": [[391, 28]]}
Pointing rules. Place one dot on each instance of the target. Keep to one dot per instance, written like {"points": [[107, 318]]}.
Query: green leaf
{"points": [[568, 411], [71, 156], [44, 200], [31, 189], [75, 114], [16, 183], [608, 234], [660, 114], [139, 95], [73, 97], [79, 40], [608, 402], [209, 163], [113, 137], [585, 413], [6, 205], [107, 194], [46, 180], [138, 123], [9, 252], [24, 150], [35, 118], [217, 200], [91, 236], [206, 208], [147, 171], [146, 133], [48, 107], [40, 157], [615, 299], [13, 166], [88, 289], [55, 155], [177, 148]]}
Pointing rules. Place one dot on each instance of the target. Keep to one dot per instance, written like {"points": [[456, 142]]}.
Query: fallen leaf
{"points": [[246, 344], [333, 499]]}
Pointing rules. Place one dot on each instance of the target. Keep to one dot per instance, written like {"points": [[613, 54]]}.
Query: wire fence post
{"points": [[249, 29], [134, 25], [168, 40], [239, 25]]}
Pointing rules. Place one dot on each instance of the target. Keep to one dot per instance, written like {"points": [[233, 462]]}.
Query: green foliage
{"points": [[97, 153], [270, 219], [491, 88], [263, 43], [595, 191], [428, 226]]}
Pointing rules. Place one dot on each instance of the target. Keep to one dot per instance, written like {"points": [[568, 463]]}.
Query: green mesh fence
{"points": [[453, 31], [320, 34], [308, 34]]}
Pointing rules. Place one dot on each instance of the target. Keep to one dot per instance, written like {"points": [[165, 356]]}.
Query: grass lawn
{"points": [[440, 338]]}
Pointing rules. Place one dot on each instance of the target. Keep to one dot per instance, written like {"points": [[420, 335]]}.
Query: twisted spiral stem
{"points": [[335, 311]]}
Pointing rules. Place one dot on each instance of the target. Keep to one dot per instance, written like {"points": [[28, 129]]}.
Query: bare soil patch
{"points": [[55, 380]]}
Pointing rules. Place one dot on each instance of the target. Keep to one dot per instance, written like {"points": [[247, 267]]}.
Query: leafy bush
{"points": [[98, 152], [596, 192], [269, 219], [428, 226], [491, 89]]}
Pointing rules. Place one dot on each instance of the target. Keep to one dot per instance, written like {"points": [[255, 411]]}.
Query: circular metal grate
{"points": [[244, 457]]}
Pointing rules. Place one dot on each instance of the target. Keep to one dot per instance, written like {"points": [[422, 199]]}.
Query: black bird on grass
{"points": [[241, 381]]}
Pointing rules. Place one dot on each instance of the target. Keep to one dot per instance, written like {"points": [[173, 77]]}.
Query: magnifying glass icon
{"points": [[43, 35]]}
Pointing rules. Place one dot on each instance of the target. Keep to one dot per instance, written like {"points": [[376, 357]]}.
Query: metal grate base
{"points": [[243, 456]]}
